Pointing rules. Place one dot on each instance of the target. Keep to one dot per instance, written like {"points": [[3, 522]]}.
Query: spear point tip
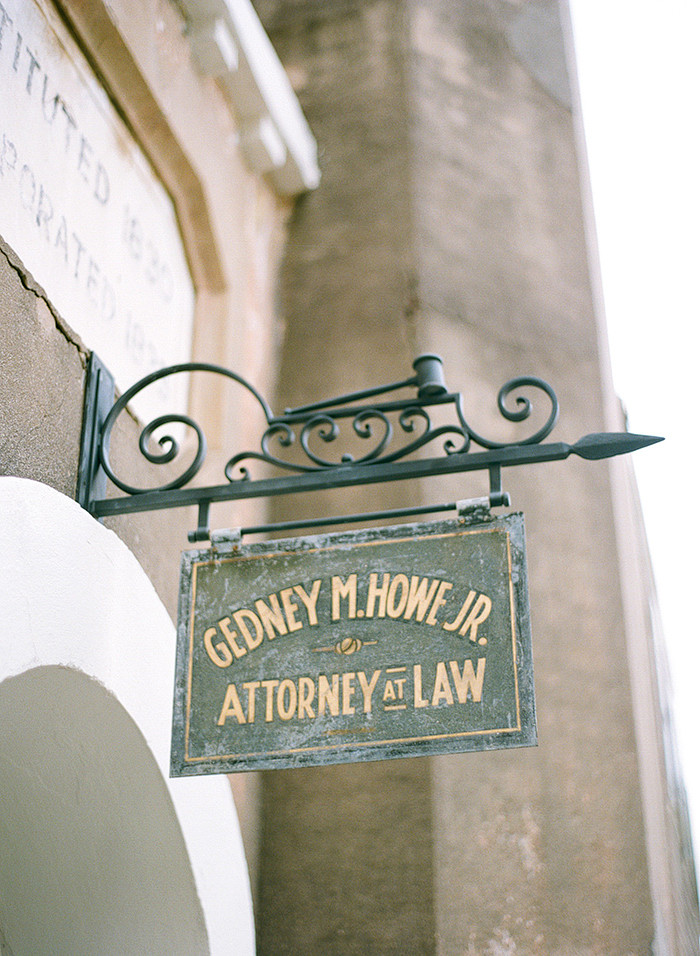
{"points": [[609, 444]]}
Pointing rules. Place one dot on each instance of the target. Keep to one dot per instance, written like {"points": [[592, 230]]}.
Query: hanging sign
{"points": [[364, 645]]}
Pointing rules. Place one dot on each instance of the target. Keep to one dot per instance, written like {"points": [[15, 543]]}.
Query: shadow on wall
{"points": [[99, 851], [92, 858]]}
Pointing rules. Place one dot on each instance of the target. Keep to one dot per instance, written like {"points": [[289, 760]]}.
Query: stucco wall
{"points": [[233, 228]]}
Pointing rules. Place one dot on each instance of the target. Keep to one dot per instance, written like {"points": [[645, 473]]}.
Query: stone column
{"points": [[449, 219]]}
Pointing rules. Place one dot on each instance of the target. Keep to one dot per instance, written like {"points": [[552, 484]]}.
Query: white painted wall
{"points": [[89, 821]]}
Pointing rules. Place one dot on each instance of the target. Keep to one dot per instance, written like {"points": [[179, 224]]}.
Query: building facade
{"points": [[310, 194]]}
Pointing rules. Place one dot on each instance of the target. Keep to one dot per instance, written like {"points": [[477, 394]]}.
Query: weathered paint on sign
{"points": [[362, 645]]}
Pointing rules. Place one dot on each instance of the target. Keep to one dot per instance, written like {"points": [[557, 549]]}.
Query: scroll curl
{"points": [[168, 443], [378, 426], [523, 411]]}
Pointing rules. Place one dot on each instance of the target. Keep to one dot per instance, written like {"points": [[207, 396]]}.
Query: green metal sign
{"points": [[363, 645]]}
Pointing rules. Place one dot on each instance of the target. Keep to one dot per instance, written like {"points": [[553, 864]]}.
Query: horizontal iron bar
{"points": [[349, 519], [351, 397], [344, 476], [351, 475], [295, 415]]}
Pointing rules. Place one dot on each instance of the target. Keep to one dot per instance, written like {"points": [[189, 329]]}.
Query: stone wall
{"points": [[449, 220]]}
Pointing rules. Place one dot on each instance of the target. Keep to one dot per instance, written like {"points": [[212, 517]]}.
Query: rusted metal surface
{"points": [[363, 645]]}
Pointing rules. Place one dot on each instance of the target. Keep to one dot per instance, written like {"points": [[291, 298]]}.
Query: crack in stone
{"points": [[30, 284]]}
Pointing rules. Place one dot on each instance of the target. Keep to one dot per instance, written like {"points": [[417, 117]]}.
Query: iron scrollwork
{"points": [[292, 445], [319, 424]]}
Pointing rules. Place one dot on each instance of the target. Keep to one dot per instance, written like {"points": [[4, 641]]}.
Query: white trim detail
{"points": [[275, 137], [73, 595], [213, 48]]}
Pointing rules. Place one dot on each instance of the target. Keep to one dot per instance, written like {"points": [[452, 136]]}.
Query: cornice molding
{"points": [[229, 42]]}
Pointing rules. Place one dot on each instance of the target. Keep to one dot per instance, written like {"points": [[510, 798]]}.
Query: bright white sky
{"points": [[639, 77]]}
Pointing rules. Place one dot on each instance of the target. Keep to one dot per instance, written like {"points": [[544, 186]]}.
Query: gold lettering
{"points": [[400, 681], [309, 600], [477, 616], [442, 689], [438, 602], [367, 689], [287, 711], [269, 686], [226, 657], [375, 592], [232, 707], [231, 637], [418, 699], [240, 619], [394, 609], [460, 617], [290, 609], [389, 692], [328, 694], [419, 597], [340, 590], [251, 687], [469, 681], [348, 691], [271, 617], [307, 691]]}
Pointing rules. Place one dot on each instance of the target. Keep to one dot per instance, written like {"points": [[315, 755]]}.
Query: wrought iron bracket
{"points": [[97, 404], [393, 432]]}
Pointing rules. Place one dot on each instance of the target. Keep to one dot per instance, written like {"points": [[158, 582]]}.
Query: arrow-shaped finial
{"points": [[609, 444]]}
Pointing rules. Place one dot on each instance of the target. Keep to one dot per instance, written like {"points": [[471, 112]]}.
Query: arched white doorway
{"points": [[100, 853], [90, 848]]}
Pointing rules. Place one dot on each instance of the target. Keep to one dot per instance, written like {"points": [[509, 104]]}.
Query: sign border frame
{"points": [[524, 734]]}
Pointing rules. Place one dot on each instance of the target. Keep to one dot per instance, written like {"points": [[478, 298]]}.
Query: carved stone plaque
{"points": [[84, 211]]}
